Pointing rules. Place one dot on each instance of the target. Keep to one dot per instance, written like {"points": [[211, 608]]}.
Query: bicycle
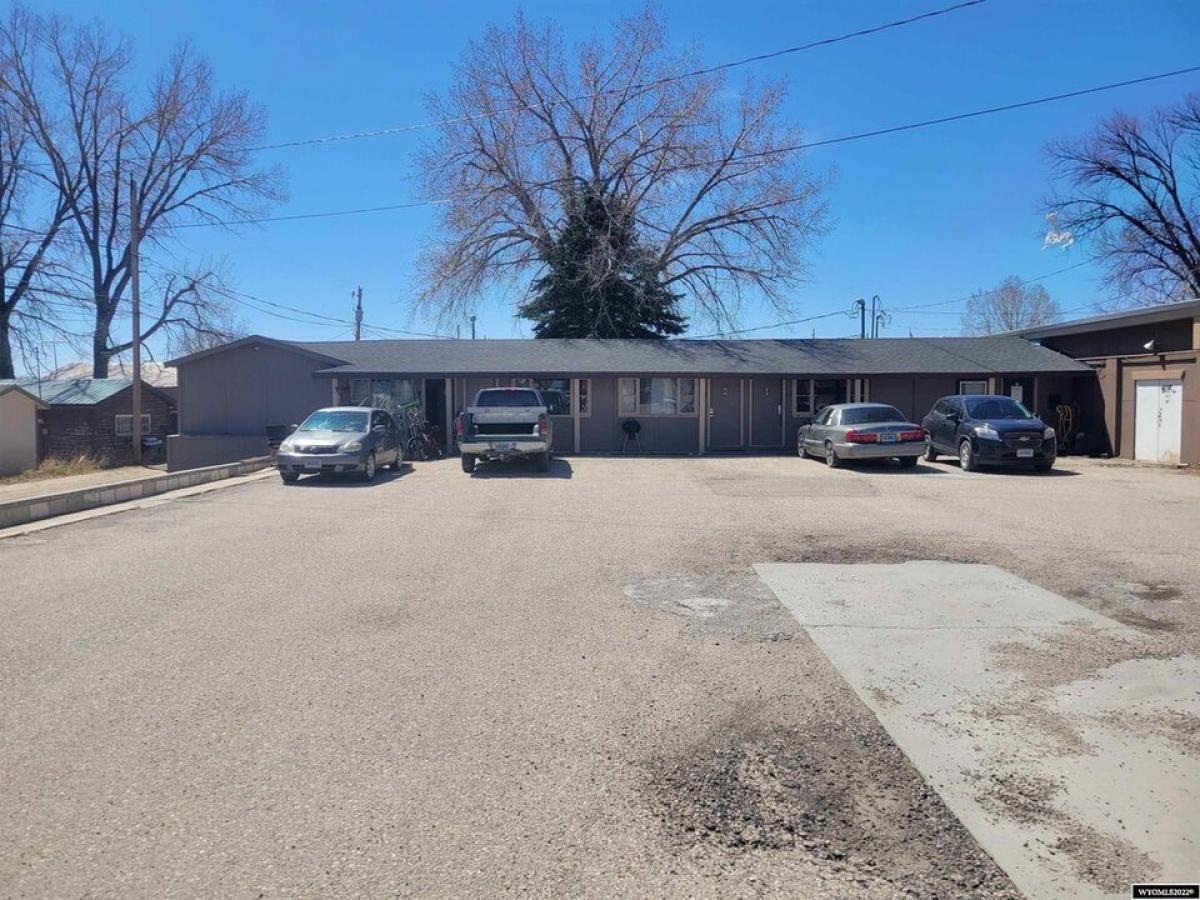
{"points": [[422, 444]]}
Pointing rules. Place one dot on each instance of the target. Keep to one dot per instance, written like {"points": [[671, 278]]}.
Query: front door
{"points": [[725, 413], [766, 412], [1158, 413]]}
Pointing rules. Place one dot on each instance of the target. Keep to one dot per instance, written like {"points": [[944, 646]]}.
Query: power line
{"points": [[1020, 281], [721, 334], [779, 151], [639, 86], [916, 309]]}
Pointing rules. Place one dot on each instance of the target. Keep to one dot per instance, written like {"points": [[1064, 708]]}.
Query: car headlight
{"points": [[984, 431], [286, 446], [351, 446], [1048, 434]]}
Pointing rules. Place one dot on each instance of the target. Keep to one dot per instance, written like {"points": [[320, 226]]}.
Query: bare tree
{"points": [[31, 217], [530, 132], [1011, 305], [1133, 188], [221, 323], [184, 146]]}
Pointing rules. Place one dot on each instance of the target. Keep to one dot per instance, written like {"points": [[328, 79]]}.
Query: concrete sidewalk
{"points": [[22, 490], [22, 510], [1057, 735]]}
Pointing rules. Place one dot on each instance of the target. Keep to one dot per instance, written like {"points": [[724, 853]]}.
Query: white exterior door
{"points": [[1158, 412]]}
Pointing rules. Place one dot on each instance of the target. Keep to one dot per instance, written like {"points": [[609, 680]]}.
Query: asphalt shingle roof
{"points": [[887, 356]]}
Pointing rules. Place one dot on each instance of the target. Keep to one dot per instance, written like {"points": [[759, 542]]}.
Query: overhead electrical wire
{"points": [[779, 151], [639, 86]]}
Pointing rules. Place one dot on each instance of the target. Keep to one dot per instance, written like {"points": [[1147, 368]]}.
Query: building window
{"points": [[972, 386], [386, 393], [658, 396], [557, 392], [827, 392], [123, 426], [585, 396]]}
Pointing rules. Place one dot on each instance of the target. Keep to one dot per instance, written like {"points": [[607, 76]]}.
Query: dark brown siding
{"points": [[70, 431], [1106, 406], [1128, 341]]}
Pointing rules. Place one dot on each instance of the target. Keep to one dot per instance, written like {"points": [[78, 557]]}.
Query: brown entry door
{"points": [[766, 412], [725, 413]]}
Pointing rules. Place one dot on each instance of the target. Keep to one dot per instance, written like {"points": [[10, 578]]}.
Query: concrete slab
{"points": [[1065, 741]]}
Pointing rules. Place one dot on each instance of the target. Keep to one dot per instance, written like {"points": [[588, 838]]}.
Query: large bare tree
{"points": [[531, 131], [183, 145], [1011, 305], [31, 216], [1132, 188]]}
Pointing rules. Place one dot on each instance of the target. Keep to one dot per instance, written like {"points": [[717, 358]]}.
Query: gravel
{"points": [[442, 686]]}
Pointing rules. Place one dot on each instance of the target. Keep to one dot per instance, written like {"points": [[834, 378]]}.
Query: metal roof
{"points": [[887, 356], [1144, 316], [75, 391]]}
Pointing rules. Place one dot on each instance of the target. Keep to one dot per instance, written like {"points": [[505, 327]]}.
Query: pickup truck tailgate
{"points": [[496, 415]]}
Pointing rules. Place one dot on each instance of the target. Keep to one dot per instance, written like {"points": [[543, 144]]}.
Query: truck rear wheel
{"points": [[468, 462]]}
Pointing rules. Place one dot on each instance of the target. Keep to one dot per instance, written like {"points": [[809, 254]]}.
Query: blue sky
{"points": [[916, 218]]}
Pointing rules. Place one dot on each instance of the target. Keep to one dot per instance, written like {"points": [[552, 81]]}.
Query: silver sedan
{"points": [[847, 431]]}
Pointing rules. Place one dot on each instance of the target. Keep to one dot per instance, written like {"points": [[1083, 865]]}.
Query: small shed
{"points": [[93, 416], [18, 428]]}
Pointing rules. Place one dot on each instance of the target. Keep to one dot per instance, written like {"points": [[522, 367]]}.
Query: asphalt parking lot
{"points": [[510, 683]]}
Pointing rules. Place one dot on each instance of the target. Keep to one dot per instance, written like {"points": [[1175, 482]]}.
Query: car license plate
{"points": [[1025, 453], [312, 464], [887, 439], [503, 445]]}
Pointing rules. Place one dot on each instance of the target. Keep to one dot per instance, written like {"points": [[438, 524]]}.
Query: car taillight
{"points": [[543, 426], [861, 437], [912, 435], [459, 426]]}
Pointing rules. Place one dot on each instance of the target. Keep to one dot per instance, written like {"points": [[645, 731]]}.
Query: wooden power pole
{"points": [[135, 236], [358, 315]]}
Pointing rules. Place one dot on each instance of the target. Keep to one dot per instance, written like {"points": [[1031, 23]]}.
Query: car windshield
{"points": [[507, 398], [871, 415], [335, 420], [996, 408]]}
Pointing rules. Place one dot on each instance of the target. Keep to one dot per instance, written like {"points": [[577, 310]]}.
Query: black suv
{"points": [[981, 429]]}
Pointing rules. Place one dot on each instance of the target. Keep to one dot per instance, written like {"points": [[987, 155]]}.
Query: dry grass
{"points": [[57, 468]]}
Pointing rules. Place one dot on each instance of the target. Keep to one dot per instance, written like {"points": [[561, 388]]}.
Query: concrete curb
{"points": [[45, 506]]}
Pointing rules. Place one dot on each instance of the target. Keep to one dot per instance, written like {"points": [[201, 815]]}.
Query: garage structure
{"points": [[1144, 403], [688, 396]]}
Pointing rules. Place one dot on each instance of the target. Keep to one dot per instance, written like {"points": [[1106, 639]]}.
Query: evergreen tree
{"points": [[599, 282]]}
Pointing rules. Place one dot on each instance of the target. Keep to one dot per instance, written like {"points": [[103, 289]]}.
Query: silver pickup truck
{"points": [[503, 424]]}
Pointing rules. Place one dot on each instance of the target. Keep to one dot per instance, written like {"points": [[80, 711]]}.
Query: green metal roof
{"points": [[75, 391]]}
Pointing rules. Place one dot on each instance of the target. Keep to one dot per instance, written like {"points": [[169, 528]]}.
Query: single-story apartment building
{"points": [[1144, 402], [689, 396], [18, 428], [94, 416]]}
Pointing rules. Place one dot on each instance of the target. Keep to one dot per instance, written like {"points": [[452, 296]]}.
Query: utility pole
{"points": [[357, 314], [862, 317], [878, 316], [135, 238], [472, 328]]}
